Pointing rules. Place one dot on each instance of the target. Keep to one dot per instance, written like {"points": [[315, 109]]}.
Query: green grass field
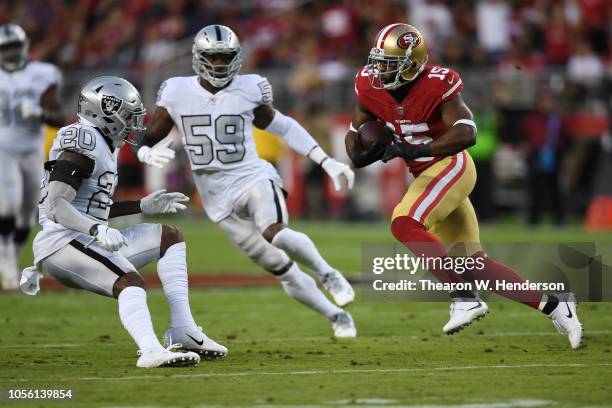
{"points": [[282, 353]]}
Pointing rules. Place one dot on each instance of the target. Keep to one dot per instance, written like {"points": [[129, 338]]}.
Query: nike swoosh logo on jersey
{"points": [[450, 81], [569, 315], [199, 343]]}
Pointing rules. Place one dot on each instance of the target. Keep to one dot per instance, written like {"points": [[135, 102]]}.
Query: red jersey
{"points": [[417, 119]]}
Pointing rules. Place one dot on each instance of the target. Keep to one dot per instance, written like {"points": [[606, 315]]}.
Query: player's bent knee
{"points": [[273, 261], [170, 235], [127, 280], [263, 254], [270, 232]]}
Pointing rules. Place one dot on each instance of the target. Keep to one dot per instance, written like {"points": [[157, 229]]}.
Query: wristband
{"points": [[466, 122], [317, 155]]}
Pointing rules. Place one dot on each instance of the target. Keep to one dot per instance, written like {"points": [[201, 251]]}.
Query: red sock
{"points": [[416, 238], [495, 271]]}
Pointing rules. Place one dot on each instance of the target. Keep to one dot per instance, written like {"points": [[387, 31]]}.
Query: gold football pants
{"points": [[438, 199]]}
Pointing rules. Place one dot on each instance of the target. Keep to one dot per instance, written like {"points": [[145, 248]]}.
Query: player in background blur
{"points": [[28, 99], [431, 126], [215, 111]]}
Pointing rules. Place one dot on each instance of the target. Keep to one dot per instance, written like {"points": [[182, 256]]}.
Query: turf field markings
{"points": [[64, 345], [319, 338], [328, 372], [373, 401], [520, 403], [362, 401], [441, 336]]}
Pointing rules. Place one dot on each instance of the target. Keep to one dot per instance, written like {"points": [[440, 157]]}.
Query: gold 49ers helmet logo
{"points": [[110, 104], [406, 40]]}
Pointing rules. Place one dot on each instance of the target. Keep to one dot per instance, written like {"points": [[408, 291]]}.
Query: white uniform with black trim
{"points": [[62, 251], [239, 190], [217, 132], [21, 140]]}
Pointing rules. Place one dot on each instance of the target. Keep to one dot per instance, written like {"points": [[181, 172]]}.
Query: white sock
{"points": [[301, 248], [303, 288], [136, 319], [172, 271]]}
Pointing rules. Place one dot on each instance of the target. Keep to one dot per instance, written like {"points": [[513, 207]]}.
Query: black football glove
{"points": [[406, 151]]}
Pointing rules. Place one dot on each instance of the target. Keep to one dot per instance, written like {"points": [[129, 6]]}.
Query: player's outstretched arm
{"points": [[152, 152], [51, 107], [460, 135], [360, 156], [159, 202], [298, 138]]}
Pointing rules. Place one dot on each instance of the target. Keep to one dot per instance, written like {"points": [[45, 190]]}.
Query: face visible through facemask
{"points": [[11, 55]]}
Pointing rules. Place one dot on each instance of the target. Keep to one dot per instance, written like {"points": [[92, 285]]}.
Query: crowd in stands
{"points": [[278, 33]]}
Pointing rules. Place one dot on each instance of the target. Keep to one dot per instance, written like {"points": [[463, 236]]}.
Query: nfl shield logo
{"points": [[110, 104], [400, 110]]}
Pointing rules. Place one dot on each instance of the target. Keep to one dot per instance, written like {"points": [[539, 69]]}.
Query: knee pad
{"points": [[264, 254], [273, 260]]}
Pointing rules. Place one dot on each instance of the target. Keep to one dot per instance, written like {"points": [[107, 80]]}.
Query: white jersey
{"points": [[93, 198], [217, 132], [19, 135]]}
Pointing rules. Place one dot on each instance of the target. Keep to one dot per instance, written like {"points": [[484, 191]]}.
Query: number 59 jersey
{"points": [[217, 133], [93, 198]]}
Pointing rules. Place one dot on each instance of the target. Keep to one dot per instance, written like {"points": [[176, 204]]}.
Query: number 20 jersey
{"points": [[93, 198], [217, 133], [19, 135], [416, 119]]}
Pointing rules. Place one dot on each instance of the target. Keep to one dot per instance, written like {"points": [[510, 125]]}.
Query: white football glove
{"points": [[157, 156], [161, 202], [110, 238], [335, 169], [30, 109]]}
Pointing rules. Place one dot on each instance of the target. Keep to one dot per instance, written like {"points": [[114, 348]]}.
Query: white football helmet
{"points": [[216, 39], [113, 105], [14, 47]]}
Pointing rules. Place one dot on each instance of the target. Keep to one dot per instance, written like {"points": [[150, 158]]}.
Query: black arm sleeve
{"points": [[71, 172]]}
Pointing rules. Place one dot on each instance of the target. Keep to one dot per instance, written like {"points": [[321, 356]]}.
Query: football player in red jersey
{"points": [[431, 127]]}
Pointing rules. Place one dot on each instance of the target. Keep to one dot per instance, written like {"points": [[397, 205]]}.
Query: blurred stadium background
{"points": [[538, 75]]}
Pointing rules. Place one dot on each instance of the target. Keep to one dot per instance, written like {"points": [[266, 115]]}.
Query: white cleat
{"points": [[196, 341], [565, 318], [167, 358], [343, 325], [463, 312], [338, 287]]}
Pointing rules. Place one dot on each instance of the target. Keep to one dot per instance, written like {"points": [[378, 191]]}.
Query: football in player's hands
{"points": [[373, 133]]}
